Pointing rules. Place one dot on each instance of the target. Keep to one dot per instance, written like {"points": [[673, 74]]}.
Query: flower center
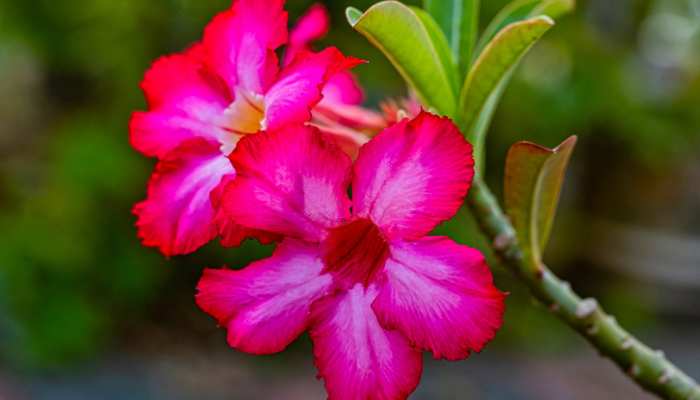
{"points": [[355, 252], [244, 116]]}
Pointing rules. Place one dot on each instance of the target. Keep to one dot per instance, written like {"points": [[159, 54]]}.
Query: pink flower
{"points": [[361, 275], [202, 101]]}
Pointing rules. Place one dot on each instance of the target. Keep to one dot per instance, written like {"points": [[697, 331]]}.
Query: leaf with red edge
{"points": [[533, 180]]}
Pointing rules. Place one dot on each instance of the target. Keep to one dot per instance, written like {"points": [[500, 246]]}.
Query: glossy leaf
{"points": [[442, 46], [414, 44], [491, 70], [519, 10], [459, 20], [533, 181]]}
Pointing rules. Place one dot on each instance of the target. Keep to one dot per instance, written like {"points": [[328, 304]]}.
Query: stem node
{"points": [[586, 308], [503, 241], [626, 344], [566, 285], [665, 376]]}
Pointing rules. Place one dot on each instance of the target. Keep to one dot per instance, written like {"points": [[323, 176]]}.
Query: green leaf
{"points": [[441, 46], [488, 77], [533, 181], [414, 44], [519, 10], [352, 14], [554, 8], [459, 20]]}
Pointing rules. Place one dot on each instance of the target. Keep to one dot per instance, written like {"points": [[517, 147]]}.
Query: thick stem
{"points": [[649, 368]]}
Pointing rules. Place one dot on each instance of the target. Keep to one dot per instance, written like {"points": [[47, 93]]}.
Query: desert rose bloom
{"points": [[202, 101], [360, 274]]}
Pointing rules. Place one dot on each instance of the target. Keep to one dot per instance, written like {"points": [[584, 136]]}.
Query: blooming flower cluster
{"points": [[249, 149], [203, 101]]}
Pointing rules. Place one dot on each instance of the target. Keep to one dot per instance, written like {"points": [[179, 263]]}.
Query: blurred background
{"points": [[86, 312]]}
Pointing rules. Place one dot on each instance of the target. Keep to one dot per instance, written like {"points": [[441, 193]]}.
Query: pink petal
{"points": [[349, 126], [184, 102], [348, 116], [354, 252], [311, 26], [178, 76], [413, 176], [265, 306], [240, 43], [300, 84], [356, 357], [349, 140], [177, 216], [441, 296], [314, 25], [290, 182], [343, 88], [231, 233]]}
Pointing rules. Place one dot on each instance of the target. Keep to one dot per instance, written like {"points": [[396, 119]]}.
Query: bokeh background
{"points": [[87, 313]]}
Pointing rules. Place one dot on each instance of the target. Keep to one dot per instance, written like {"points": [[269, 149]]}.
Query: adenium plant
{"points": [[282, 151]]}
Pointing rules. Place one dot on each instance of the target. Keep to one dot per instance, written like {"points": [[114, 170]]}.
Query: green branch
{"points": [[648, 367]]}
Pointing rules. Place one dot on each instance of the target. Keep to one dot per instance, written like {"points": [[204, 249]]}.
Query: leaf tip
{"points": [[545, 20], [570, 142], [353, 15]]}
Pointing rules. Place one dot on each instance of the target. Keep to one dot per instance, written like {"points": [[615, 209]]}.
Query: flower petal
{"points": [[441, 296], [356, 357], [291, 182], [349, 140], [184, 103], [311, 26], [177, 216], [300, 84], [240, 43], [179, 76], [343, 88], [231, 233], [412, 176], [265, 306]]}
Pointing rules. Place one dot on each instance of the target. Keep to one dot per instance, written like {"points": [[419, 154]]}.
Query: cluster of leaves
{"points": [[436, 49]]}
